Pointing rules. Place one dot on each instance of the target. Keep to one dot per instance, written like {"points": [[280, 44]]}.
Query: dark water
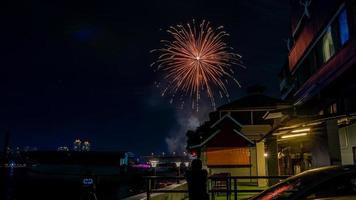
{"points": [[21, 184]]}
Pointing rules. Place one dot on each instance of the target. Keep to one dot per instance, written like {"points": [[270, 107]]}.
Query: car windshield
{"points": [[292, 186]]}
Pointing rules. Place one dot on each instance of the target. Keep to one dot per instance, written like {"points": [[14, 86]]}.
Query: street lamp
{"points": [[186, 164], [178, 165], [154, 165]]}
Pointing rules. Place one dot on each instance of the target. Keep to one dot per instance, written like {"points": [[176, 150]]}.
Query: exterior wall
{"points": [[320, 151], [255, 131], [347, 142], [321, 12], [310, 71], [223, 156], [236, 171], [203, 158], [333, 142], [261, 163], [253, 161], [272, 161]]}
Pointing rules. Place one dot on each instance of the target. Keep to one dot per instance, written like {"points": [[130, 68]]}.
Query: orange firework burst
{"points": [[196, 60]]}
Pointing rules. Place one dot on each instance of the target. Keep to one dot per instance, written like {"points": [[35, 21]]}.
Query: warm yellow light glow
{"points": [[228, 156], [266, 155], [178, 164], [293, 135], [186, 164], [301, 130], [153, 163]]}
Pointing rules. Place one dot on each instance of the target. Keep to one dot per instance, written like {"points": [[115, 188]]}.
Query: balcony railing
{"points": [[228, 185]]}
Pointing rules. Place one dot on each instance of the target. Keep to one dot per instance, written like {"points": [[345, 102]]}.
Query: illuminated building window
{"points": [[333, 108], [328, 48], [321, 112], [337, 34], [343, 27]]}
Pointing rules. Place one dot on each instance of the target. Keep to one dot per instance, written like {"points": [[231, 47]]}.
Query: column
{"points": [[261, 163]]}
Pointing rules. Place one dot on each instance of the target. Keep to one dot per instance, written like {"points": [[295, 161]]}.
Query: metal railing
{"points": [[230, 186]]}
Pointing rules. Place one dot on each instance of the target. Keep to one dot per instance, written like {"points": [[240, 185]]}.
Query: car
{"points": [[325, 183]]}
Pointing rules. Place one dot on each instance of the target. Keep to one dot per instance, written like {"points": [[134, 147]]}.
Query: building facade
{"points": [[230, 141], [319, 80]]}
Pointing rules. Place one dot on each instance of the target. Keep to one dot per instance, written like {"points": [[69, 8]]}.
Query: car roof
{"points": [[323, 173], [326, 170], [349, 197]]}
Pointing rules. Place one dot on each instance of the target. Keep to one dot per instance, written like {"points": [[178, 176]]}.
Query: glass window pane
{"points": [[344, 28], [328, 45]]}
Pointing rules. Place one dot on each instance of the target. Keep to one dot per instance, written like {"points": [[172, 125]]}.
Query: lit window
{"points": [[321, 112], [333, 108], [328, 48], [343, 26]]}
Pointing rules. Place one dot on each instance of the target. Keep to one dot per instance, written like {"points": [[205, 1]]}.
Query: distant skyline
{"points": [[79, 69]]}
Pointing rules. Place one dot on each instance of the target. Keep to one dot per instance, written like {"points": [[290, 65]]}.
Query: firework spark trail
{"points": [[195, 61]]}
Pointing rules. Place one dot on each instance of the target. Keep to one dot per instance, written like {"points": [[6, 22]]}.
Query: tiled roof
{"points": [[252, 101]]}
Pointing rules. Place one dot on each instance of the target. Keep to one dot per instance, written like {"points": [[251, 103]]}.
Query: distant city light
{"points": [[186, 164], [78, 145], [153, 163], [142, 166], [178, 163], [12, 164], [88, 181], [86, 146], [64, 148]]}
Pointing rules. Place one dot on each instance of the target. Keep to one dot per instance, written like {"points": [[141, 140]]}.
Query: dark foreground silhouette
{"points": [[197, 181]]}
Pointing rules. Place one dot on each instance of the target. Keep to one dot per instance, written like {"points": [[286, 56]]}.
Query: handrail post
{"points": [[148, 188], [230, 187], [235, 188], [227, 188]]}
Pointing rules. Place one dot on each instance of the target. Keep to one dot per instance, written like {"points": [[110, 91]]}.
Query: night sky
{"points": [[81, 69]]}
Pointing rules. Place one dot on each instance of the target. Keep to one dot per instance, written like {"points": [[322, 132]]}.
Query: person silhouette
{"points": [[197, 181]]}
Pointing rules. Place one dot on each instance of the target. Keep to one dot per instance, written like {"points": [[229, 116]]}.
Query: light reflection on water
{"points": [[9, 182]]}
